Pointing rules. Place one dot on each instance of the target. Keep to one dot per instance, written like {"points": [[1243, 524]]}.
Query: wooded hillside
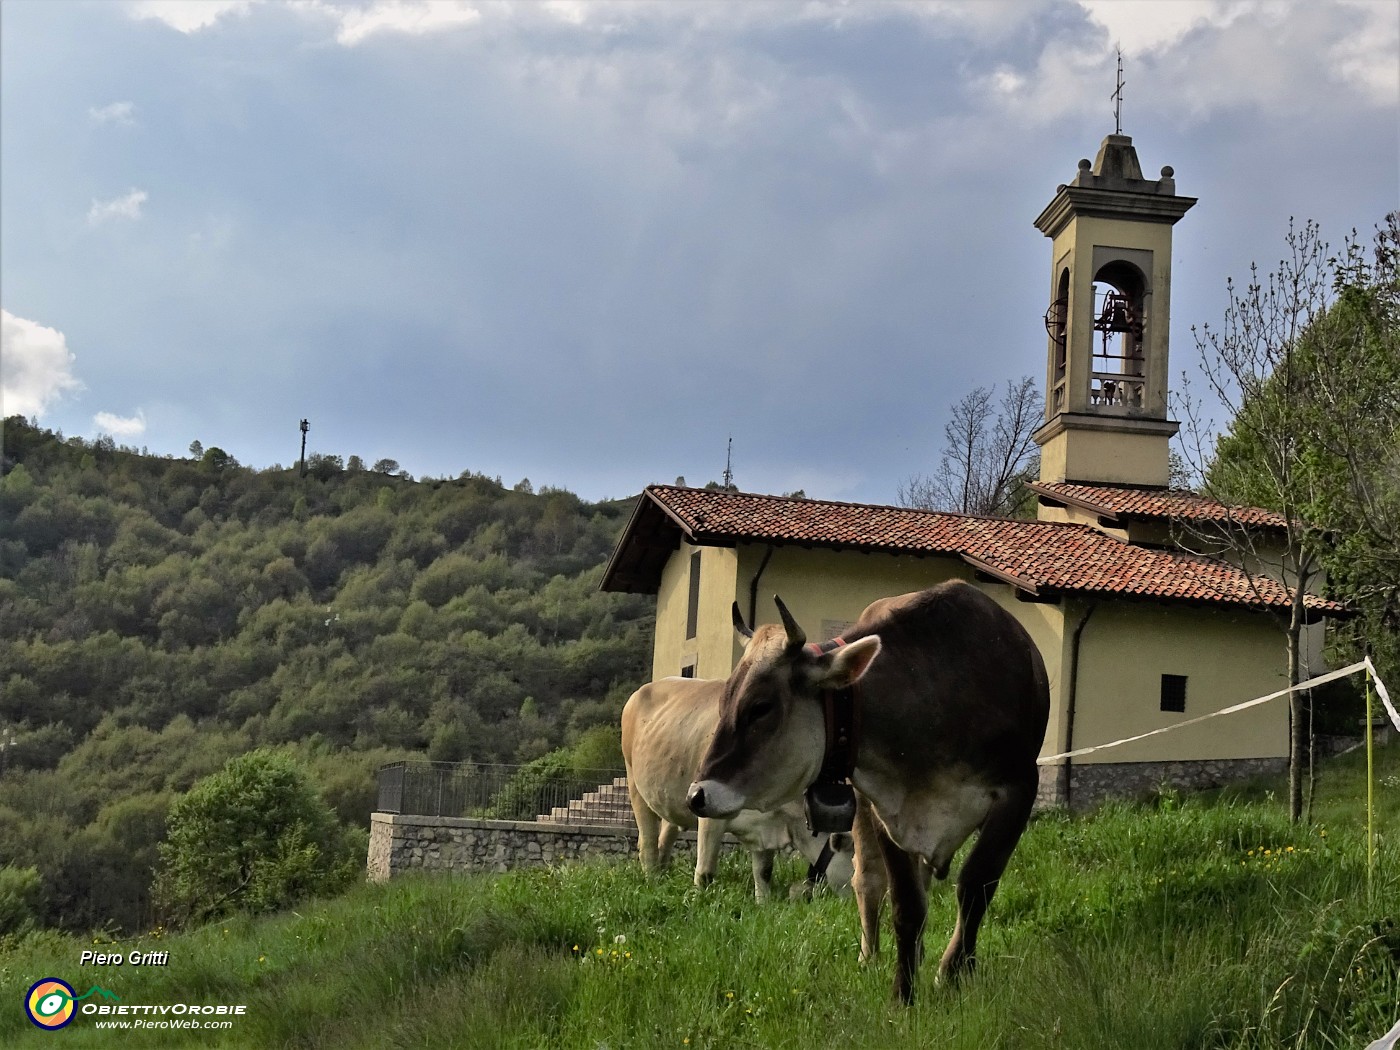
{"points": [[158, 616]]}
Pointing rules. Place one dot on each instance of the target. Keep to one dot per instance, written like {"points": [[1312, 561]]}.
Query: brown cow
{"points": [[952, 714], [666, 727]]}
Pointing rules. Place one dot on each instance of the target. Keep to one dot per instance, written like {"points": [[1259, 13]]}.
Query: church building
{"points": [[1136, 633]]}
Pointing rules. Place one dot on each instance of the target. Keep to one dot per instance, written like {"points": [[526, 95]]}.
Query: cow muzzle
{"points": [[710, 798]]}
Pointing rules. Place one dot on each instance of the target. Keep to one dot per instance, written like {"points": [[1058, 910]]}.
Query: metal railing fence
{"points": [[491, 791]]}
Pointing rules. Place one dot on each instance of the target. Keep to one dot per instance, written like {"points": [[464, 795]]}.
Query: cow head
{"points": [[771, 736]]}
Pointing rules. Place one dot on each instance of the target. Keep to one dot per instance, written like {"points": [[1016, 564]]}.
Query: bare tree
{"points": [[988, 455], [1272, 366]]}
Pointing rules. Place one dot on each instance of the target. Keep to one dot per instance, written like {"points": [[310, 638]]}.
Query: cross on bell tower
{"points": [[1110, 286]]}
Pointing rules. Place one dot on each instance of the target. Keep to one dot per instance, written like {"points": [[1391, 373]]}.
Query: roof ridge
{"points": [[1039, 553], [868, 506]]}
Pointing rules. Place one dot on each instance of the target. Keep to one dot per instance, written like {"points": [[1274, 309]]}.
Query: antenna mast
{"points": [[728, 457]]}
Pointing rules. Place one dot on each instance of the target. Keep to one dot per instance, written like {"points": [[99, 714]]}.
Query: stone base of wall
{"points": [[1084, 786], [399, 843]]}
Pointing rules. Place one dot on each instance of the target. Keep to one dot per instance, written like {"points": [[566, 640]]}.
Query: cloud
{"points": [[124, 207], [113, 113], [36, 366], [1366, 58], [120, 426], [1206, 57], [187, 16], [413, 17], [1142, 27]]}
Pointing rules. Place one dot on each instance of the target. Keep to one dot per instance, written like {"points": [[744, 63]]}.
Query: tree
{"points": [[988, 455], [216, 459], [1305, 365], [255, 836], [21, 894], [1352, 443], [352, 617], [323, 467]]}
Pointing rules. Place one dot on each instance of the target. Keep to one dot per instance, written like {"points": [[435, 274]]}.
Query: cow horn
{"points": [[796, 638], [739, 625]]}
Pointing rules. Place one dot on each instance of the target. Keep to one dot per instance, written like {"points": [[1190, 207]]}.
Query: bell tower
{"points": [[1110, 292]]}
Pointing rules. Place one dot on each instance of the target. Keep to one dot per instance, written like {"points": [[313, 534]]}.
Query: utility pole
{"points": [[305, 426]]}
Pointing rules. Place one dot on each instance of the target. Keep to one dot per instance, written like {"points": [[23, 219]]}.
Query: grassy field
{"points": [[1205, 922]]}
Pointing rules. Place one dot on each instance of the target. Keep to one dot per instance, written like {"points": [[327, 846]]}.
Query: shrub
{"points": [[21, 893], [256, 836]]}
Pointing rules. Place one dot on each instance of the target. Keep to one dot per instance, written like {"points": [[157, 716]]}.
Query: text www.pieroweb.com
{"points": [[138, 1017]]}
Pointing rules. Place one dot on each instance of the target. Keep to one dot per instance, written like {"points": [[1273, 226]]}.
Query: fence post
{"points": [[1370, 794]]}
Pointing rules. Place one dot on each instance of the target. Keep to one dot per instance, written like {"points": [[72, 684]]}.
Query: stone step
{"points": [[609, 804]]}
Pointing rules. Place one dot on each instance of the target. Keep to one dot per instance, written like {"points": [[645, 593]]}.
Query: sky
{"points": [[589, 243]]}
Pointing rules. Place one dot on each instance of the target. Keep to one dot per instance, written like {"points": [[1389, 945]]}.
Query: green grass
{"points": [[1207, 922]]}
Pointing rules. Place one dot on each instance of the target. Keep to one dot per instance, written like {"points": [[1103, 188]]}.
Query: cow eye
{"points": [[761, 709]]}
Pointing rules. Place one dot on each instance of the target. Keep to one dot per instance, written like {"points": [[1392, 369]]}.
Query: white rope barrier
{"points": [[1380, 690], [1331, 676]]}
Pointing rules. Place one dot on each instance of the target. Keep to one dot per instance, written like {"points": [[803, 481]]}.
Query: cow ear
{"points": [[850, 662]]}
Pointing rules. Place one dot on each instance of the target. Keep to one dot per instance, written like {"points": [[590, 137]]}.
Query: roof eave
{"points": [[616, 577]]}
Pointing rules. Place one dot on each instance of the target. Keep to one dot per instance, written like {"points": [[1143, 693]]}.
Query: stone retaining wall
{"points": [[399, 843], [1089, 784]]}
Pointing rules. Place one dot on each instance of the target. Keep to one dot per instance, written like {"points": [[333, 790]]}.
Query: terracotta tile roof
{"points": [[1041, 558], [1122, 502]]}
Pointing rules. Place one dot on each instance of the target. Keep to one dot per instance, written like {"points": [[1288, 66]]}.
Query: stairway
{"points": [[608, 806]]}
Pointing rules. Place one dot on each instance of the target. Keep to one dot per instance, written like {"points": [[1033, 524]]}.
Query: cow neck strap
{"points": [[842, 712], [816, 871]]}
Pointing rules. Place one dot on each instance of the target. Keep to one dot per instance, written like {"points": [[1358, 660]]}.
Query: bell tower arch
{"points": [[1110, 292]]}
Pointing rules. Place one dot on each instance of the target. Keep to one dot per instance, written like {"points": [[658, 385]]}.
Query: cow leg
{"points": [[909, 908], [762, 872], [980, 875], [869, 882], [709, 837], [669, 832], [648, 828]]}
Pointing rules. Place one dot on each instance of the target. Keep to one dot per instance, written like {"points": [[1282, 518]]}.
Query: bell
{"points": [[1117, 316], [829, 806]]}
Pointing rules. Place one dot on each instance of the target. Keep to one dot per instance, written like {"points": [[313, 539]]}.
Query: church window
{"points": [[692, 611], [1174, 692]]}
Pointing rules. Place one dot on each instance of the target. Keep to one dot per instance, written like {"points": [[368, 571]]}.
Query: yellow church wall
{"points": [[831, 587], [1072, 515], [1125, 647], [708, 651], [1105, 457], [719, 569], [1226, 658], [667, 647], [825, 591]]}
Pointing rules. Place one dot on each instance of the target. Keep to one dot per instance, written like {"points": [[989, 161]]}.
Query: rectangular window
{"points": [[688, 671], [692, 612], [1174, 692]]}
